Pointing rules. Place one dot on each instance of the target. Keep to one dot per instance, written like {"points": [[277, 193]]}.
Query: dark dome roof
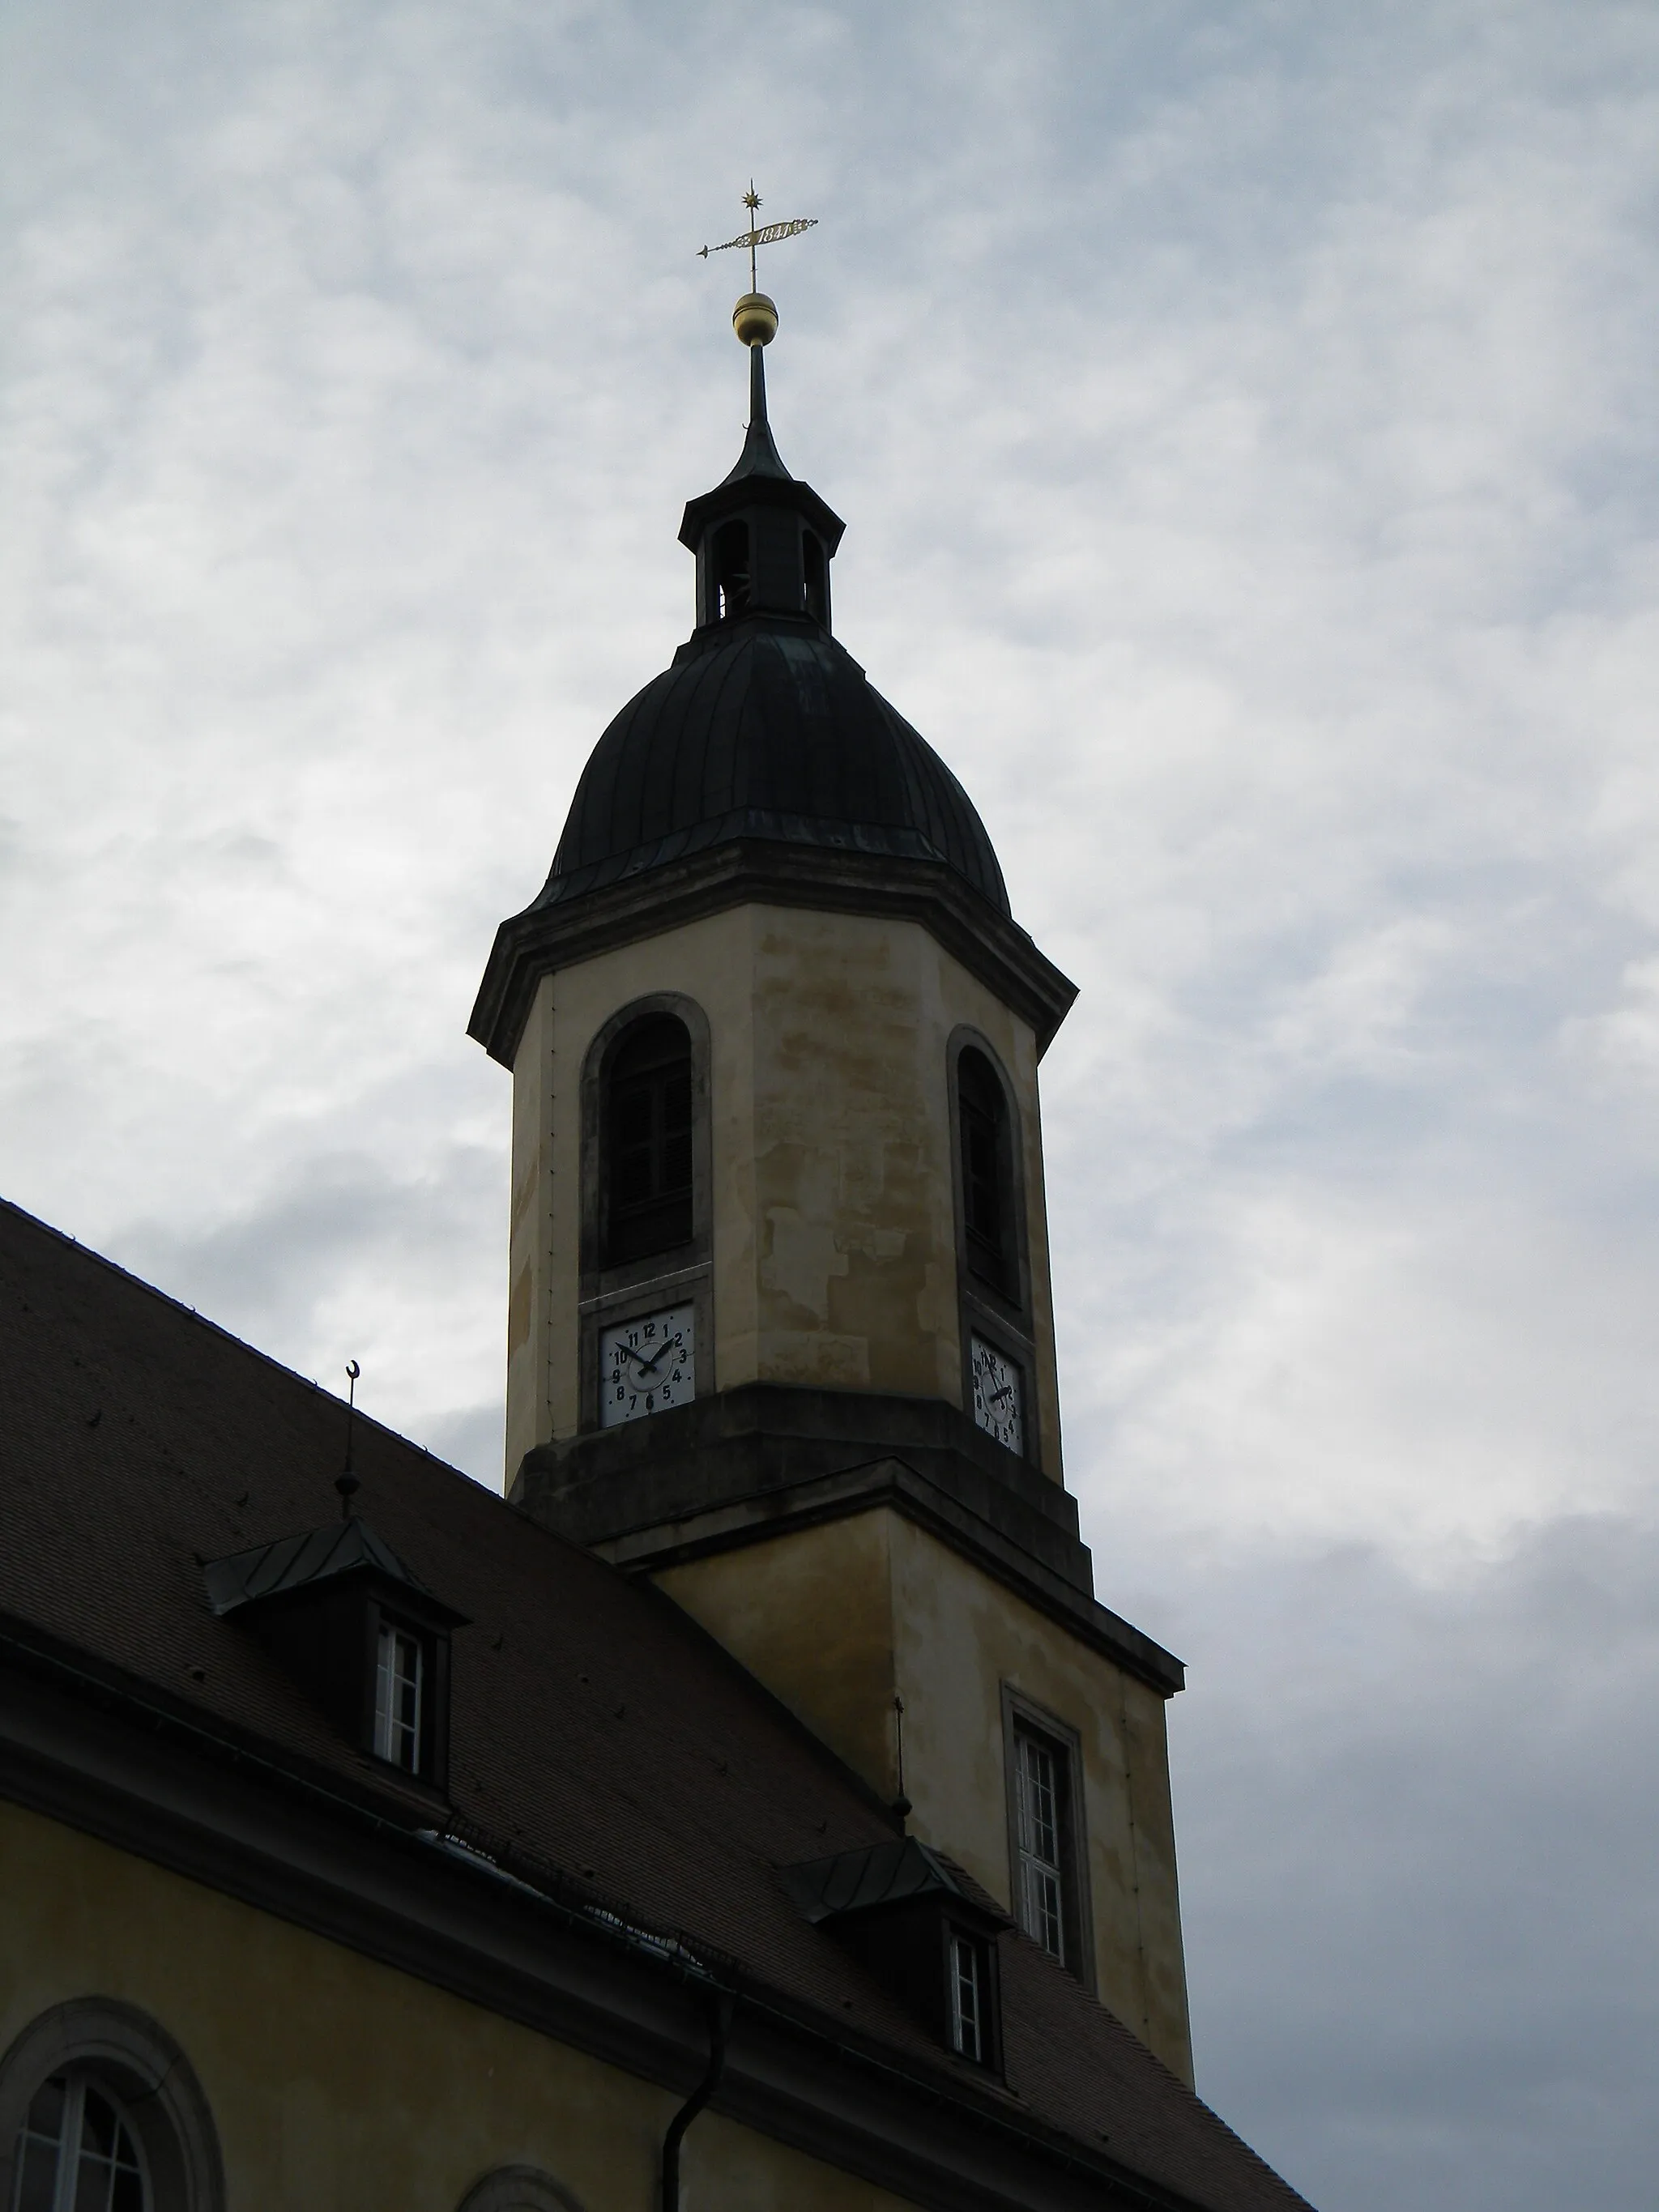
{"points": [[768, 731]]}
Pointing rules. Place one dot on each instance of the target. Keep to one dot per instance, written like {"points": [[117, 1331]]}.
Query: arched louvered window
{"points": [[734, 578], [988, 1196], [645, 1141], [816, 567]]}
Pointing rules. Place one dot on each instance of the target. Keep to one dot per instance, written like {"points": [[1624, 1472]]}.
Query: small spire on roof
{"points": [[901, 1804], [346, 1481]]}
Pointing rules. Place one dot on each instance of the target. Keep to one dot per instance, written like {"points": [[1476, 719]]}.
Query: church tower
{"points": [[780, 1334]]}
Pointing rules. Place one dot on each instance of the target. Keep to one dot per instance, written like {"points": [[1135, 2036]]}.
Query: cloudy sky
{"points": [[1245, 418]]}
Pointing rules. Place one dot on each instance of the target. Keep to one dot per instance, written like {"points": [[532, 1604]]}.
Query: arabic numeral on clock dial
{"points": [[998, 1384], [647, 1365]]}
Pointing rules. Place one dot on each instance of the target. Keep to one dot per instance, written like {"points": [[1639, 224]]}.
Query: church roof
{"points": [[596, 1733], [767, 728], [764, 727]]}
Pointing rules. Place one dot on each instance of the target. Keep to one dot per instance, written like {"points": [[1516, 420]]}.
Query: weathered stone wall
{"points": [[834, 1259], [839, 1620]]}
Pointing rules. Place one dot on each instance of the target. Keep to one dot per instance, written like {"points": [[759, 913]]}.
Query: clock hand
{"points": [[634, 1354], [660, 1354], [1007, 1391]]}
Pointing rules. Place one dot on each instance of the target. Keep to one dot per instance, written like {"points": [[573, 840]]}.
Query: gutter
{"points": [[721, 2004]]}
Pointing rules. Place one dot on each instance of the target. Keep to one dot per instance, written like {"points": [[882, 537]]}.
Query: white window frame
{"points": [[69, 2145], [395, 1732], [1039, 1796], [968, 1996], [1048, 1874]]}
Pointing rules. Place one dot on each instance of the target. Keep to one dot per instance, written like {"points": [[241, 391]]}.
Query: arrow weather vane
{"points": [[766, 235]]}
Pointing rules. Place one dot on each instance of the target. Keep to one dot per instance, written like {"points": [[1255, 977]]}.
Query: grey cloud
{"points": [[343, 1258], [1244, 421], [1415, 1821]]}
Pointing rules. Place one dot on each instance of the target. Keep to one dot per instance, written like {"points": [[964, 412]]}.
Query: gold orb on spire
{"points": [[754, 320]]}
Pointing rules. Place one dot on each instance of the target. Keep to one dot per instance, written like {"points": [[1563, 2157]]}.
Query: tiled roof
{"points": [[593, 1724]]}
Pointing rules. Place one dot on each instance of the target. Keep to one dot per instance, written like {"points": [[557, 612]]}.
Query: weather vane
{"points": [[767, 234]]}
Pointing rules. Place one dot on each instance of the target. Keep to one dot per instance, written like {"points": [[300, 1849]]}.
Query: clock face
{"points": [[998, 1389], [646, 1364]]}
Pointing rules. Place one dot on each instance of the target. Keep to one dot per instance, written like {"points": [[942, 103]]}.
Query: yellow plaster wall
{"points": [[838, 1619], [810, 1614], [959, 1636], [834, 1258], [338, 2084], [529, 1311]]}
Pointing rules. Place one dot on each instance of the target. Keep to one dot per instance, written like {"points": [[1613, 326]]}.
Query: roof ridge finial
{"points": [[346, 1481]]}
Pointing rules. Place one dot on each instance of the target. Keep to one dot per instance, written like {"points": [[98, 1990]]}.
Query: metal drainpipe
{"points": [[721, 2003]]}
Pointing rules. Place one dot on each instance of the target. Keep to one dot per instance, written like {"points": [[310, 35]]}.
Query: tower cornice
{"points": [[759, 872]]}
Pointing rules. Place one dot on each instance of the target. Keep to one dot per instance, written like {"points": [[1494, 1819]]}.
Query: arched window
{"points": [[100, 2111], [520, 2189], [645, 1141], [733, 589], [817, 577], [77, 2153], [987, 1196]]}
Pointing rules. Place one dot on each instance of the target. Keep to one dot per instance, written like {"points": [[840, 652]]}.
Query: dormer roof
{"points": [[297, 1562]]}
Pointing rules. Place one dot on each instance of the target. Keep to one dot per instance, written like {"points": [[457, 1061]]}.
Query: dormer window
{"points": [[968, 1976], [366, 1641], [915, 1922], [399, 1681], [734, 576]]}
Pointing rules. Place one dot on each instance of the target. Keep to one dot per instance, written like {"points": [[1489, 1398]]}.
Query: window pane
{"points": [[987, 1186], [37, 2182], [647, 1141], [99, 2126], [92, 2183], [47, 2109], [965, 2023], [40, 2145], [1042, 1914], [1038, 1786], [398, 1686], [1041, 1834]]}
